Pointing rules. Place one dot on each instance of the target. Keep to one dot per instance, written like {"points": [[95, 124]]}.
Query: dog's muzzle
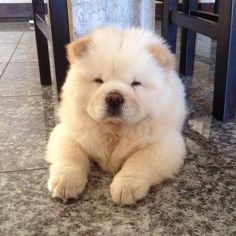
{"points": [[114, 101]]}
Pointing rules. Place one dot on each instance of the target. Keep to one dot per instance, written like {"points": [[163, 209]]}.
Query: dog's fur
{"points": [[141, 146]]}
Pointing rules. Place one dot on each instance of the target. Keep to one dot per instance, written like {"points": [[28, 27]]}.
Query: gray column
{"points": [[90, 14]]}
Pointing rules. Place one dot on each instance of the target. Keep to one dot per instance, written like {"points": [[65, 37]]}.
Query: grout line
{"points": [[12, 55], [22, 170]]}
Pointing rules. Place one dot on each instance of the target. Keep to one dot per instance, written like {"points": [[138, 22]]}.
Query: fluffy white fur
{"points": [[141, 147]]}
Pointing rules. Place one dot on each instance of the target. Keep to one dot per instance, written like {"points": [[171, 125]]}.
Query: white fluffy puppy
{"points": [[123, 106]]}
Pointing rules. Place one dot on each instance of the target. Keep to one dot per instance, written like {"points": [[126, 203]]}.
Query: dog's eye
{"points": [[98, 80], [135, 83]]}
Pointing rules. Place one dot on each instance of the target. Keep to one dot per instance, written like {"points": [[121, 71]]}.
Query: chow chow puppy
{"points": [[123, 107]]}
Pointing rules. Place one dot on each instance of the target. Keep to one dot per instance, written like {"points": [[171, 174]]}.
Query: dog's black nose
{"points": [[114, 100]]}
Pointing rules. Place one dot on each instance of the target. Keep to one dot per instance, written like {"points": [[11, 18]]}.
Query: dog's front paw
{"points": [[126, 190], [66, 182]]}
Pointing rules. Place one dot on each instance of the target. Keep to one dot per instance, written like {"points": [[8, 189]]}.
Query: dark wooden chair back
{"points": [[220, 27]]}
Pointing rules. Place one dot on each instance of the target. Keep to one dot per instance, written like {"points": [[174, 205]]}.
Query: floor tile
{"points": [[203, 49], [15, 26], [2, 67], [26, 50], [6, 51], [25, 53], [20, 79], [23, 134], [204, 39], [28, 38], [10, 37]]}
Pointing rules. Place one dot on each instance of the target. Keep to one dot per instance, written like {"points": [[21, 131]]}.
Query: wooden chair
{"points": [[222, 28], [56, 30]]}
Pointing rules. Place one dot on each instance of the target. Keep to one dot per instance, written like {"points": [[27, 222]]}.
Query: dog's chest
{"points": [[110, 139], [100, 142], [107, 143]]}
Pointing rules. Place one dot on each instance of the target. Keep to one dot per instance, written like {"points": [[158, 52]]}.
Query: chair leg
{"points": [[224, 102], [60, 38], [169, 29], [42, 49], [188, 42]]}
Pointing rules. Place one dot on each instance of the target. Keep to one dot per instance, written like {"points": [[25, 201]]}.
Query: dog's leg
{"points": [[69, 165], [148, 167]]}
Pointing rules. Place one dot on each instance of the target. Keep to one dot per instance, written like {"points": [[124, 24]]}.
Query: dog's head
{"points": [[119, 76]]}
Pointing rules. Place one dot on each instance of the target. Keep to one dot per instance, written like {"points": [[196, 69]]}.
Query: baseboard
{"points": [[209, 7], [15, 11]]}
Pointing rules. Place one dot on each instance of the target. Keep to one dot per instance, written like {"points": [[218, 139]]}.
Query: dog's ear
{"points": [[164, 57], [77, 48]]}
